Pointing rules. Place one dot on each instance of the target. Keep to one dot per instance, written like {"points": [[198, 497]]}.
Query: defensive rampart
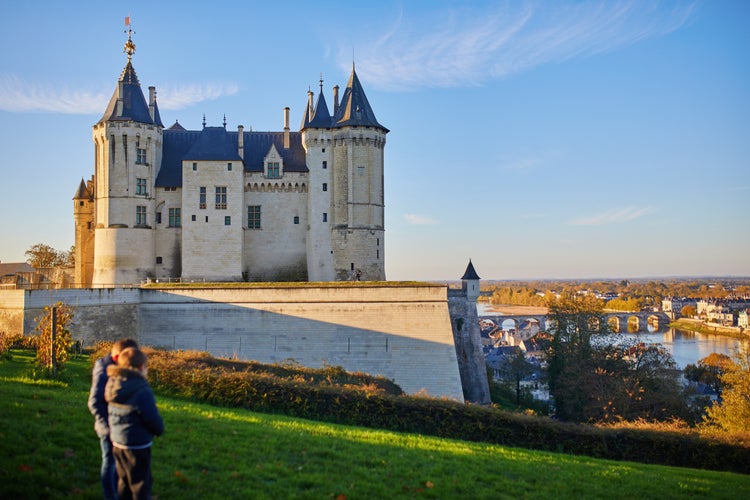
{"points": [[400, 331]]}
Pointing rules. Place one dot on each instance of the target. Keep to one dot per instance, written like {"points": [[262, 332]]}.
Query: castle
{"points": [[224, 205]]}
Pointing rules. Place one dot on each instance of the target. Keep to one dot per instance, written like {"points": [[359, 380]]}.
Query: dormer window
{"points": [[272, 170], [273, 164]]}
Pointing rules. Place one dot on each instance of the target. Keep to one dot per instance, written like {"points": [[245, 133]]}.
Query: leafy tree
{"points": [[63, 339], [41, 255], [593, 379], [575, 319], [709, 370], [732, 413], [688, 312]]}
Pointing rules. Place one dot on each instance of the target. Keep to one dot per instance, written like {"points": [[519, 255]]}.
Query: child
{"points": [[133, 423], [98, 407]]}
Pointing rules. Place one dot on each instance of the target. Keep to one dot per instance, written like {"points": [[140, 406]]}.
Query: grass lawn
{"points": [[49, 450]]}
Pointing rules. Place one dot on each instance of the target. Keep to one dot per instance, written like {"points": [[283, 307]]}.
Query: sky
{"points": [[542, 140]]}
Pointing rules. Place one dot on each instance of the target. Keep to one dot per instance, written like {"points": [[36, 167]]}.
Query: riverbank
{"points": [[699, 326]]}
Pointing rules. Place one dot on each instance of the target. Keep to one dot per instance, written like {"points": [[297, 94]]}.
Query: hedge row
{"points": [[265, 393]]}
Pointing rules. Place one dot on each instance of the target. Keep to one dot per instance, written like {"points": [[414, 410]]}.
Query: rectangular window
{"points": [[140, 187], [140, 215], [229, 166], [195, 167], [158, 217], [140, 153], [325, 164], [296, 219], [221, 198], [158, 260], [253, 216], [325, 186], [175, 217], [202, 197], [273, 170], [325, 217], [227, 220]]}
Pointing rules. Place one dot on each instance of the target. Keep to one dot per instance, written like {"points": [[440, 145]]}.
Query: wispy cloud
{"points": [[611, 217], [419, 220], [461, 47], [19, 96], [182, 96]]}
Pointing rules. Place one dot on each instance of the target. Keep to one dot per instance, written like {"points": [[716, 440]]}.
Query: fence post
{"points": [[53, 337]]}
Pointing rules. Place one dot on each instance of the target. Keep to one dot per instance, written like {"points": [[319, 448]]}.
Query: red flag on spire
{"points": [[127, 21]]}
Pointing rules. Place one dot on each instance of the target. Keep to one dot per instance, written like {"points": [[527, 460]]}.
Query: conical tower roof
{"points": [[83, 192], [127, 102], [355, 110], [321, 117], [470, 273]]}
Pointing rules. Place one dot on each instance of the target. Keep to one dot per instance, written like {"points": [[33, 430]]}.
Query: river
{"points": [[685, 347], [689, 347]]}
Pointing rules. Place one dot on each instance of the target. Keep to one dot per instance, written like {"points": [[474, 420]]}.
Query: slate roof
{"points": [[321, 117], [83, 192], [217, 143], [12, 268], [470, 273], [134, 105], [355, 110]]}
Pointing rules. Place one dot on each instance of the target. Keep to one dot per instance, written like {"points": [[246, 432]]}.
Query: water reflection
{"points": [[688, 347]]}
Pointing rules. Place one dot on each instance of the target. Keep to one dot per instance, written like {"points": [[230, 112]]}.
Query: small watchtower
{"points": [[470, 283]]}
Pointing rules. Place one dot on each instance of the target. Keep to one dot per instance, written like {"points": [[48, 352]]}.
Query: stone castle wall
{"points": [[402, 332]]}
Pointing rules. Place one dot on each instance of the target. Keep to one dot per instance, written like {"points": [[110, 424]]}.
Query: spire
{"points": [[354, 109], [129, 48], [127, 102], [83, 192]]}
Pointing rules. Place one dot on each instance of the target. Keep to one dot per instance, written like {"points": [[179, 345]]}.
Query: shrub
{"points": [[220, 382], [43, 340]]}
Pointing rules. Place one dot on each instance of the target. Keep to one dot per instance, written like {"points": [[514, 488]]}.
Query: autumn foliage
{"points": [[63, 340]]}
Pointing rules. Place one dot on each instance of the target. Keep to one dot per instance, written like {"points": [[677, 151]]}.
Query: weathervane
{"points": [[129, 45]]}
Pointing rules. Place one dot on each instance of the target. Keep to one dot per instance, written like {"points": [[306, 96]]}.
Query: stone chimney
{"points": [[335, 99], [286, 127], [241, 141], [151, 100]]}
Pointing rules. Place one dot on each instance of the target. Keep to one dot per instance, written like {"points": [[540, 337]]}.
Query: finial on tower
{"points": [[204, 120], [321, 82], [129, 45]]}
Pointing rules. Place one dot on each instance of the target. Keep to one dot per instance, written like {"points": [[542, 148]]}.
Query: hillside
{"points": [[50, 450]]}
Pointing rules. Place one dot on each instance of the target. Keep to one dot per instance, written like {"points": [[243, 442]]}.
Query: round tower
{"points": [[357, 218], [84, 218], [316, 139], [127, 144]]}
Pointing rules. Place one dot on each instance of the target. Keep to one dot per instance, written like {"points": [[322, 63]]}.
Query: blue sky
{"points": [[540, 139]]}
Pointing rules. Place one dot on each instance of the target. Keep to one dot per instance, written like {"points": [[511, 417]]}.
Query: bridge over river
{"points": [[619, 322]]}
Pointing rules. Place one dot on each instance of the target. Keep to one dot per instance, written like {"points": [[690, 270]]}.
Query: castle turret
{"points": [[84, 218], [358, 207], [316, 138], [470, 283], [127, 142], [462, 305]]}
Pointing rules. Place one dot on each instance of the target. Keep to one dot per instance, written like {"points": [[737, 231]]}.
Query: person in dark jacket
{"points": [[98, 407], [133, 423]]}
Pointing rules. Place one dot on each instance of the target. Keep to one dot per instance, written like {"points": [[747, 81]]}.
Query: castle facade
{"points": [[232, 205]]}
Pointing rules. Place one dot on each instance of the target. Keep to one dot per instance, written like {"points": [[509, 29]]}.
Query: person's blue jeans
{"points": [[109, 477]]}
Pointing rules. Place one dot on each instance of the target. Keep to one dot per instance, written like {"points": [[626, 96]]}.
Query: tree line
{"points": [[632, 295]]}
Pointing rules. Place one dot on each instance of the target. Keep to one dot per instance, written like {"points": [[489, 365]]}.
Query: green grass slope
{"points": [[49, 450]]}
